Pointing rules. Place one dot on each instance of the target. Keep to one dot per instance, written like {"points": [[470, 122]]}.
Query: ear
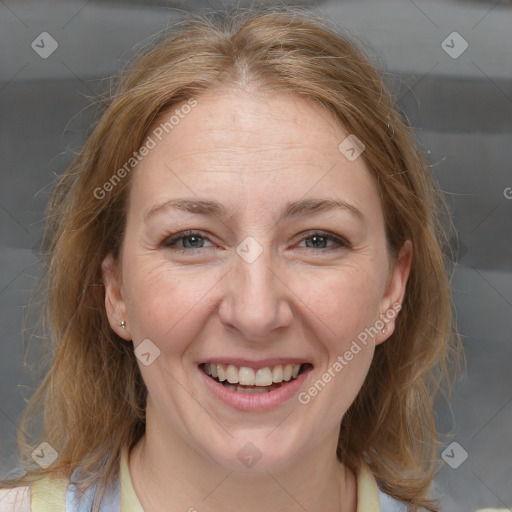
{"points": [[114, 301], [393, 298]]}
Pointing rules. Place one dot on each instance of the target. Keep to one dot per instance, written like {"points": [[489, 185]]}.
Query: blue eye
{"points": [[195, 240], [194, 237], [320, 239]]}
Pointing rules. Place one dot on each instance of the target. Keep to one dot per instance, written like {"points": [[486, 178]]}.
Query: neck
{"points": [[167, 474]]}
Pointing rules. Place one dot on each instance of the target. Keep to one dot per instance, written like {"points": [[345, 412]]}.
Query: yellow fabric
{"points": [[49, 495], [367, 491], [129, 500]]}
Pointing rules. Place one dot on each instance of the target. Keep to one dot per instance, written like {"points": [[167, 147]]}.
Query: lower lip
{"points": [[255, 402]]}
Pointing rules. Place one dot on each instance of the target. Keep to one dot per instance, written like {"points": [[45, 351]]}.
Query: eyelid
{"points": [[176, 237], [343, 242]]}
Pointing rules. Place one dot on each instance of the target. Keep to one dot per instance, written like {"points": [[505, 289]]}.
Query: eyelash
{"points": [[171, 240]]}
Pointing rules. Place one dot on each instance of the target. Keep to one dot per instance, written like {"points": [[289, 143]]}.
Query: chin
{"points": [[257, 453]]}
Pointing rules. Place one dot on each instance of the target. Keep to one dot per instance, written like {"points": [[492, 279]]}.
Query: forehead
{"points": [[242, 124], [252, 148]]}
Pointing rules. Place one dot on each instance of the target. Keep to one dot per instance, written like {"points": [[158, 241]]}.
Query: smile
{"points": [[244, 379]]}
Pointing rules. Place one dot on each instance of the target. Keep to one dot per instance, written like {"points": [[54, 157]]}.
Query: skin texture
{"points": [[300, 298]]}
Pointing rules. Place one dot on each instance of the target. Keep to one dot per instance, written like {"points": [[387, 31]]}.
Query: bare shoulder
{"points": [[16, 499]]}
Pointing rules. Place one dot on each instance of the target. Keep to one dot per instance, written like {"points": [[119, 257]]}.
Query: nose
{"points": [[257, 299]]}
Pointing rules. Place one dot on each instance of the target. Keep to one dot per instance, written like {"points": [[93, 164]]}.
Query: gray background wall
{"points": [[460, 106]]}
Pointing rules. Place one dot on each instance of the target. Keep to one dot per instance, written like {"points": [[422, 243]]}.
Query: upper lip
{"points": [[256, 363]]}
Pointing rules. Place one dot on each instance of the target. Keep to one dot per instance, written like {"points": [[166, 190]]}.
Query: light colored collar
{"points": [[367, 490], [129, 500]]}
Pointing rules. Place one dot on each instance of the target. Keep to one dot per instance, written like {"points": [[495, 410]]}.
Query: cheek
{"points": [[166, 302], [341, 313], [342, 308], [345, 300]]}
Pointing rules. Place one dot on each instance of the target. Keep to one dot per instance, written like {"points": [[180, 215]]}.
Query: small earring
{"points": [[384, 330], [122, 324]]}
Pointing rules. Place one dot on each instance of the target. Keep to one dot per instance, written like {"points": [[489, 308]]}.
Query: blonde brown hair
{"points": [[93, 396]]}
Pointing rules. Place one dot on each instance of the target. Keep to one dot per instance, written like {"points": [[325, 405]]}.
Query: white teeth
{"points": [[246, 376], [221, 373], [277, 373], [263, 377], [232, 374], [288, 370], [234, 387], [252, 390]]}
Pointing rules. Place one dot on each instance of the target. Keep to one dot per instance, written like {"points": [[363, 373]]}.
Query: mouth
{"points": [[248, 380]]}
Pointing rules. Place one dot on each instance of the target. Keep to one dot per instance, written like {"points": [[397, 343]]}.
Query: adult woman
{"points": [[266, 374]]}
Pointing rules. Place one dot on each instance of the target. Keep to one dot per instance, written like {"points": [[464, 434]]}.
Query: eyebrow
{"points": [[293, 209]]}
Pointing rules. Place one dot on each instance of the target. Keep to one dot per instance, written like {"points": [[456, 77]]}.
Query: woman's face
{"points": [[286, 265]]}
